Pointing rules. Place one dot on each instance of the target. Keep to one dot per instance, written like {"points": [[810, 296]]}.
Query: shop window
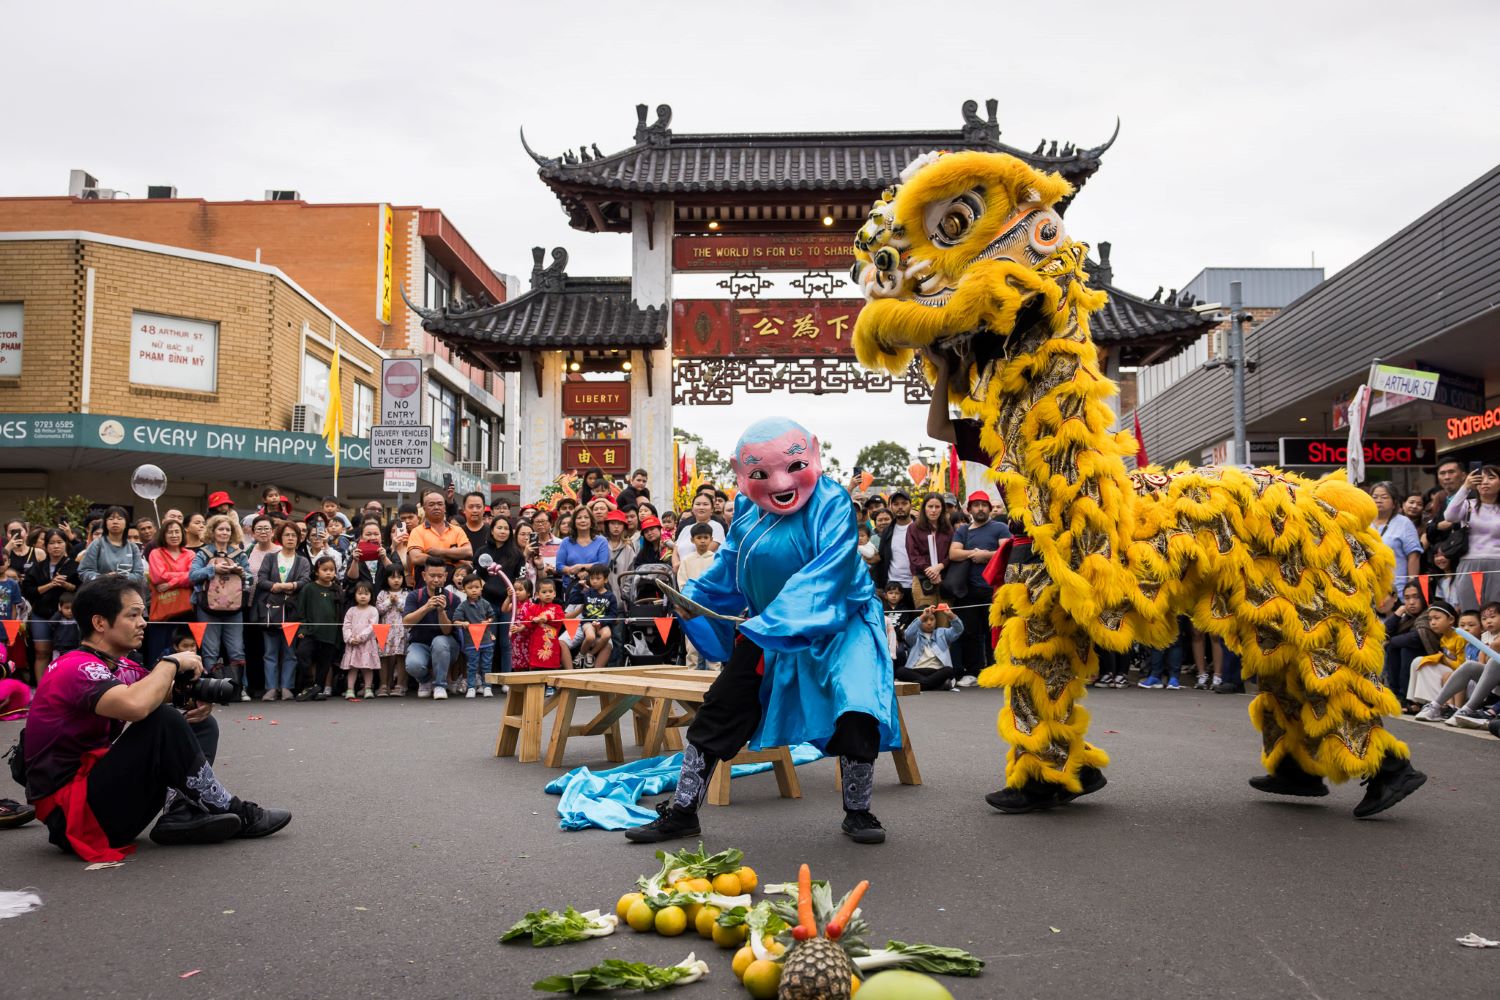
{"points": [[364, 410], [315, 389], [443, 410]]}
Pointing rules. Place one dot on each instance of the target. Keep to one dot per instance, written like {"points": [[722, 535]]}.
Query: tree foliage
{"points": [[887, 461], [712, 466]]}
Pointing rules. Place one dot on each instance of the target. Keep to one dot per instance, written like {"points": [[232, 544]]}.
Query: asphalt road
{"points": [[412, 849]]}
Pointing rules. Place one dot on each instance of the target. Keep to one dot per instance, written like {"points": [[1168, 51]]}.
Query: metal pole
{"points": [[1237, 317]]}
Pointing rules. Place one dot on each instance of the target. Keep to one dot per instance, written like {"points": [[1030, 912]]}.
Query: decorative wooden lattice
{"points": [[713, 381]]}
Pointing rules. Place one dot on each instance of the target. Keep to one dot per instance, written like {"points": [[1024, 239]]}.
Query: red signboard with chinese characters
{"points": [[717, 328], [611, 456], [596, 399], [788, 252]]}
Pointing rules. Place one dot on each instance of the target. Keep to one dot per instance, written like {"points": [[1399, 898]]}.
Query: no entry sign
{"points": [[400, 392]]}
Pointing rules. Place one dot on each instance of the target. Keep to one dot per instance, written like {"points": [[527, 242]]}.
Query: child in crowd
{"points": [[320, 609], [539, 621], [932, 638], [1429, 673], [896, 620], [1481, 668], [600, 609], [516, 638], [868, 550], [389, 604], [65, 634], [361, 651], [475, 610], [692, 566], [183, 642]]}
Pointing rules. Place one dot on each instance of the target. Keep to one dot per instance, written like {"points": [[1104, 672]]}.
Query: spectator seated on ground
{"points": [[931, 639], [1482, 670], [1430, 673]]}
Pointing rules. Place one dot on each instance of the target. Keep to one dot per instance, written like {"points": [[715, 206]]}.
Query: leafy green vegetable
{"points": [[763, 920], [547, 927], [928, 958], [616, 974], [732, 917], [688, 863]]}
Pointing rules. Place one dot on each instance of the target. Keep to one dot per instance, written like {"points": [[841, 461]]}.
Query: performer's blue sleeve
{"points": [[815, 602], [718, 590]]}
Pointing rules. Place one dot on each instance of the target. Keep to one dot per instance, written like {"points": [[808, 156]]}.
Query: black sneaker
{"points": [[184, 824], [1092, 780], [671, 824], [1030, 797], [863, 828], [1289, 779], [1395, 780], [260, 821], [310, 694], [13, 813], [1223, 688], [1494, 727]]}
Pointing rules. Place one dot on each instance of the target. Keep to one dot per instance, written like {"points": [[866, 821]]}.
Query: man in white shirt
{"points": [[893, 555]]}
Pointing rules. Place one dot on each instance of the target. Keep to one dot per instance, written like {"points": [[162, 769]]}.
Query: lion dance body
{"points": [[967, 256]]}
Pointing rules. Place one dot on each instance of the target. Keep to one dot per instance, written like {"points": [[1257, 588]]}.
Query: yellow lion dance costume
{"points": [[967, 256]]}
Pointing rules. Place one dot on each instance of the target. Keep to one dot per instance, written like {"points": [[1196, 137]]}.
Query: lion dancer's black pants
{"points": [[729, 716]]}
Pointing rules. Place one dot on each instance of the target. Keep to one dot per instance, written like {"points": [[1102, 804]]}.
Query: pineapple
{"points": [[818, 966]]}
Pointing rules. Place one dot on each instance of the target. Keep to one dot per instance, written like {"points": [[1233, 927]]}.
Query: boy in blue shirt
{"points": [[599, 611], [475, 610]]}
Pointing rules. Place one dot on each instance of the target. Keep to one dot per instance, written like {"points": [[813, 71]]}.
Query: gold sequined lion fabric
{"points": [[967, 256]]}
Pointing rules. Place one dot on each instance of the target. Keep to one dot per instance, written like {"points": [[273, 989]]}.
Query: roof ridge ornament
{"points": [[978, 129], [659, 132], [554, 276], [542, 161]]}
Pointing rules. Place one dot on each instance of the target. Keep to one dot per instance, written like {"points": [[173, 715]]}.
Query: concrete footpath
{"points": [[412, 849]]}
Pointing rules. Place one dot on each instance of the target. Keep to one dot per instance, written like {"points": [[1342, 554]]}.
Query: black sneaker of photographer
{"points": [[186, 824], [13, 813], [260, 821]]}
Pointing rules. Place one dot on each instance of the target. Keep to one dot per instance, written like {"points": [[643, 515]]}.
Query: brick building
{"points": [[339, 253], [118, 352]]}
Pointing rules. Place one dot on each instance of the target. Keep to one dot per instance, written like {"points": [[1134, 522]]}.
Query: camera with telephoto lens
{"points": [[209, 690]]}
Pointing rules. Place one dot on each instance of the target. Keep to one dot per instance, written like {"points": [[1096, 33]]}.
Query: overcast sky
{"points": [[1254, 134]]}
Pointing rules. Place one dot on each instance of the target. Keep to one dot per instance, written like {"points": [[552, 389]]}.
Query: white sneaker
{"points": [[489, 692], [349, 695], [425, 691], [471, 693], [244, 695], [1431, 712], [328, 692], [967, 681], [439, 694]]}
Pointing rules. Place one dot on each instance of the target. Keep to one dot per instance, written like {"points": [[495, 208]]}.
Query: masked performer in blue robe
{"points": [[810, 662]]}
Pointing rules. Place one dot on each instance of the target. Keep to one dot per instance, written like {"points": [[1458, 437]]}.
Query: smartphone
{"points": [[1475, 466], [447, 480]]}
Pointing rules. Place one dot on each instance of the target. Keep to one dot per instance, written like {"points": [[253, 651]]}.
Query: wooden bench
{"points": [[527, 706]]}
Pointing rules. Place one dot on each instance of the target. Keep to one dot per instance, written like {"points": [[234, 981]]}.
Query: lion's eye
{"points": [[957, 219]]}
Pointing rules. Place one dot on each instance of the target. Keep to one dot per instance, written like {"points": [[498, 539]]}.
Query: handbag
{"points": [[1456, 544], [171, 603], [956, 578]]}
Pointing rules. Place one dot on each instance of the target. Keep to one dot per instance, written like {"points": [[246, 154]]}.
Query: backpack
{"points": [[224, 592]]}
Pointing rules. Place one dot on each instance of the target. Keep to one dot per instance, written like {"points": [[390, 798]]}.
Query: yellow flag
{"points": [[333, 417]]}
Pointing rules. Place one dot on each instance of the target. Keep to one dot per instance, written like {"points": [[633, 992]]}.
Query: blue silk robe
{"points": [[812, 608]]}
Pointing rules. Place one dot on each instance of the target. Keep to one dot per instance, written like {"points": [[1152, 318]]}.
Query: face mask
{"points": [[777, 465]]}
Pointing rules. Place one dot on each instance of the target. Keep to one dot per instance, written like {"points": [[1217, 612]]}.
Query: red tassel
{"points": [[571, 624], [197, 628], [663, 627], [1477, 578], [1425, 582], [476, 633], [12, 629], [382, 632], [289, 629]]}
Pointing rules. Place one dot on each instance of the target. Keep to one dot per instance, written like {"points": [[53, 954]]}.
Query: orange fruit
{"points": [[729, 937], [623, 906], [700, 885], [670, 921], [742, 960], [727, 884], [640, 916], [748, 879], [704, 922], [763, 979]]}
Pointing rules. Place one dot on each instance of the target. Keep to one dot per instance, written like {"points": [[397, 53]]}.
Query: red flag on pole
{"points": [[289, 629], [1140, 443], [12, 629], [571, 624], [663, 627], [1424, 581], [197, 628], [1477, 578], [476, 633], [382, 632]]}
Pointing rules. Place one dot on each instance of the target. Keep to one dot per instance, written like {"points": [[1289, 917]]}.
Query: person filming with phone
{"points": [[97, 782], [428, 618], [1476, 508]]}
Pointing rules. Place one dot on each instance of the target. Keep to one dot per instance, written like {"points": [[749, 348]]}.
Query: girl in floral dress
{"points": [[389, 605]]}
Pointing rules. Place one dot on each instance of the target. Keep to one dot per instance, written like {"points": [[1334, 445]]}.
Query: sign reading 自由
{"points": [[400, 392], [1334, 451], [12, 336], [169, 352], [1404, 381], [400, 447], [611, 456]]}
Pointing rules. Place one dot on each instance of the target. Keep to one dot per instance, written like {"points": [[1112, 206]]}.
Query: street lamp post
{"points": [[1237, 317]]}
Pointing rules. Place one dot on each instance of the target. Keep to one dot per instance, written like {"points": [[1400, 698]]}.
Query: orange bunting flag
{"points": [[1424, 581], [382, 632], [476, 633], [571, 624], [289, 629], [663, 627], [865, 480], [1477, 578], [918, 473], [12, 629], [197, 628]]}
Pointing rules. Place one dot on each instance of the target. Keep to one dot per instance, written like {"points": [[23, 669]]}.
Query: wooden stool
{"points": [[780, 759]]}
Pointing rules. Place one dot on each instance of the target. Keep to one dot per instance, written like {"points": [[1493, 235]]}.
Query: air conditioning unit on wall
{"points": [[472, 468], [302, 420]]}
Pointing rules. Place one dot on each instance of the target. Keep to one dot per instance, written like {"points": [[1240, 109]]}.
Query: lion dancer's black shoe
{"points": [[1395, 780], [1038, 795], [1290, 779], [677, 817], [860, 825]]}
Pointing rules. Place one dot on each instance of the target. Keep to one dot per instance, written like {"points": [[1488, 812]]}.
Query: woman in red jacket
{"points": [[171, 593], [927, 543]]}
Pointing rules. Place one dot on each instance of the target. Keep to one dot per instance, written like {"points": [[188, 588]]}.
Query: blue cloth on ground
{"points": [[607, 799]]}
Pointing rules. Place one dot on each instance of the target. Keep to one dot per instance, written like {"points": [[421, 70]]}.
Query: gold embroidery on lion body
{"points": [[967, 256]]}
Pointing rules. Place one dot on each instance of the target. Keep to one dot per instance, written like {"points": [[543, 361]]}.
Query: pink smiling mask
{"points": [[776, 464]]}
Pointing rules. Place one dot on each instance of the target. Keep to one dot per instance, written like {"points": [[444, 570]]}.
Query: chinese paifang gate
{"points": [[967, 256]]}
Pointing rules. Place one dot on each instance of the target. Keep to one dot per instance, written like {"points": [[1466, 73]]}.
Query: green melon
{"points": [[902, 984]]}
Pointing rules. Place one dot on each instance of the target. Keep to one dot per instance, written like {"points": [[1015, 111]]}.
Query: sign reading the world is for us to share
{"points": [[400, 447]]}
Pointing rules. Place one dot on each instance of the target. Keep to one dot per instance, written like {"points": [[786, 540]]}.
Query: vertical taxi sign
{"points": [[387, 242]]}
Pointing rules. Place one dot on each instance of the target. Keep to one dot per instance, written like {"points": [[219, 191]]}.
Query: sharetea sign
{"points": [[400, 447], [12, 335], [1334, 451], [400, 392], [169, 352]]}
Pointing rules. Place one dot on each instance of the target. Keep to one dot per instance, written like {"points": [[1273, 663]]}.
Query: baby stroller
{"points": [[643, 644]]}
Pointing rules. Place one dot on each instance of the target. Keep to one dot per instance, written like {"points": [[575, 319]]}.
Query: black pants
{"points": [[128, 785], [974, 649], [1113, 664], [314, 659], [931, 680], [1400, 651], [731, 711]]}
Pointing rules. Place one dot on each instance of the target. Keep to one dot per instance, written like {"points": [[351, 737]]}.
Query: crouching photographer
{"points": [[97, 788]]}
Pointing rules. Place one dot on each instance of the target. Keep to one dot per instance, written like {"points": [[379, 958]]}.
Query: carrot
{"points": [[841, 918], [807, 925]]}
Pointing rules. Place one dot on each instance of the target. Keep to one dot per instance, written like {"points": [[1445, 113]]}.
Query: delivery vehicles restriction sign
{"points": [[400, 447], [400, 392]]}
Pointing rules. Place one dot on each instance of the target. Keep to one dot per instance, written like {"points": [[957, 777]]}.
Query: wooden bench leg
{"points": [[562, 723], [786, 774], [532, 711], [718, 785], [505, 743], [614, 749], [638, 723], [656, 729], [905, 759]]}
